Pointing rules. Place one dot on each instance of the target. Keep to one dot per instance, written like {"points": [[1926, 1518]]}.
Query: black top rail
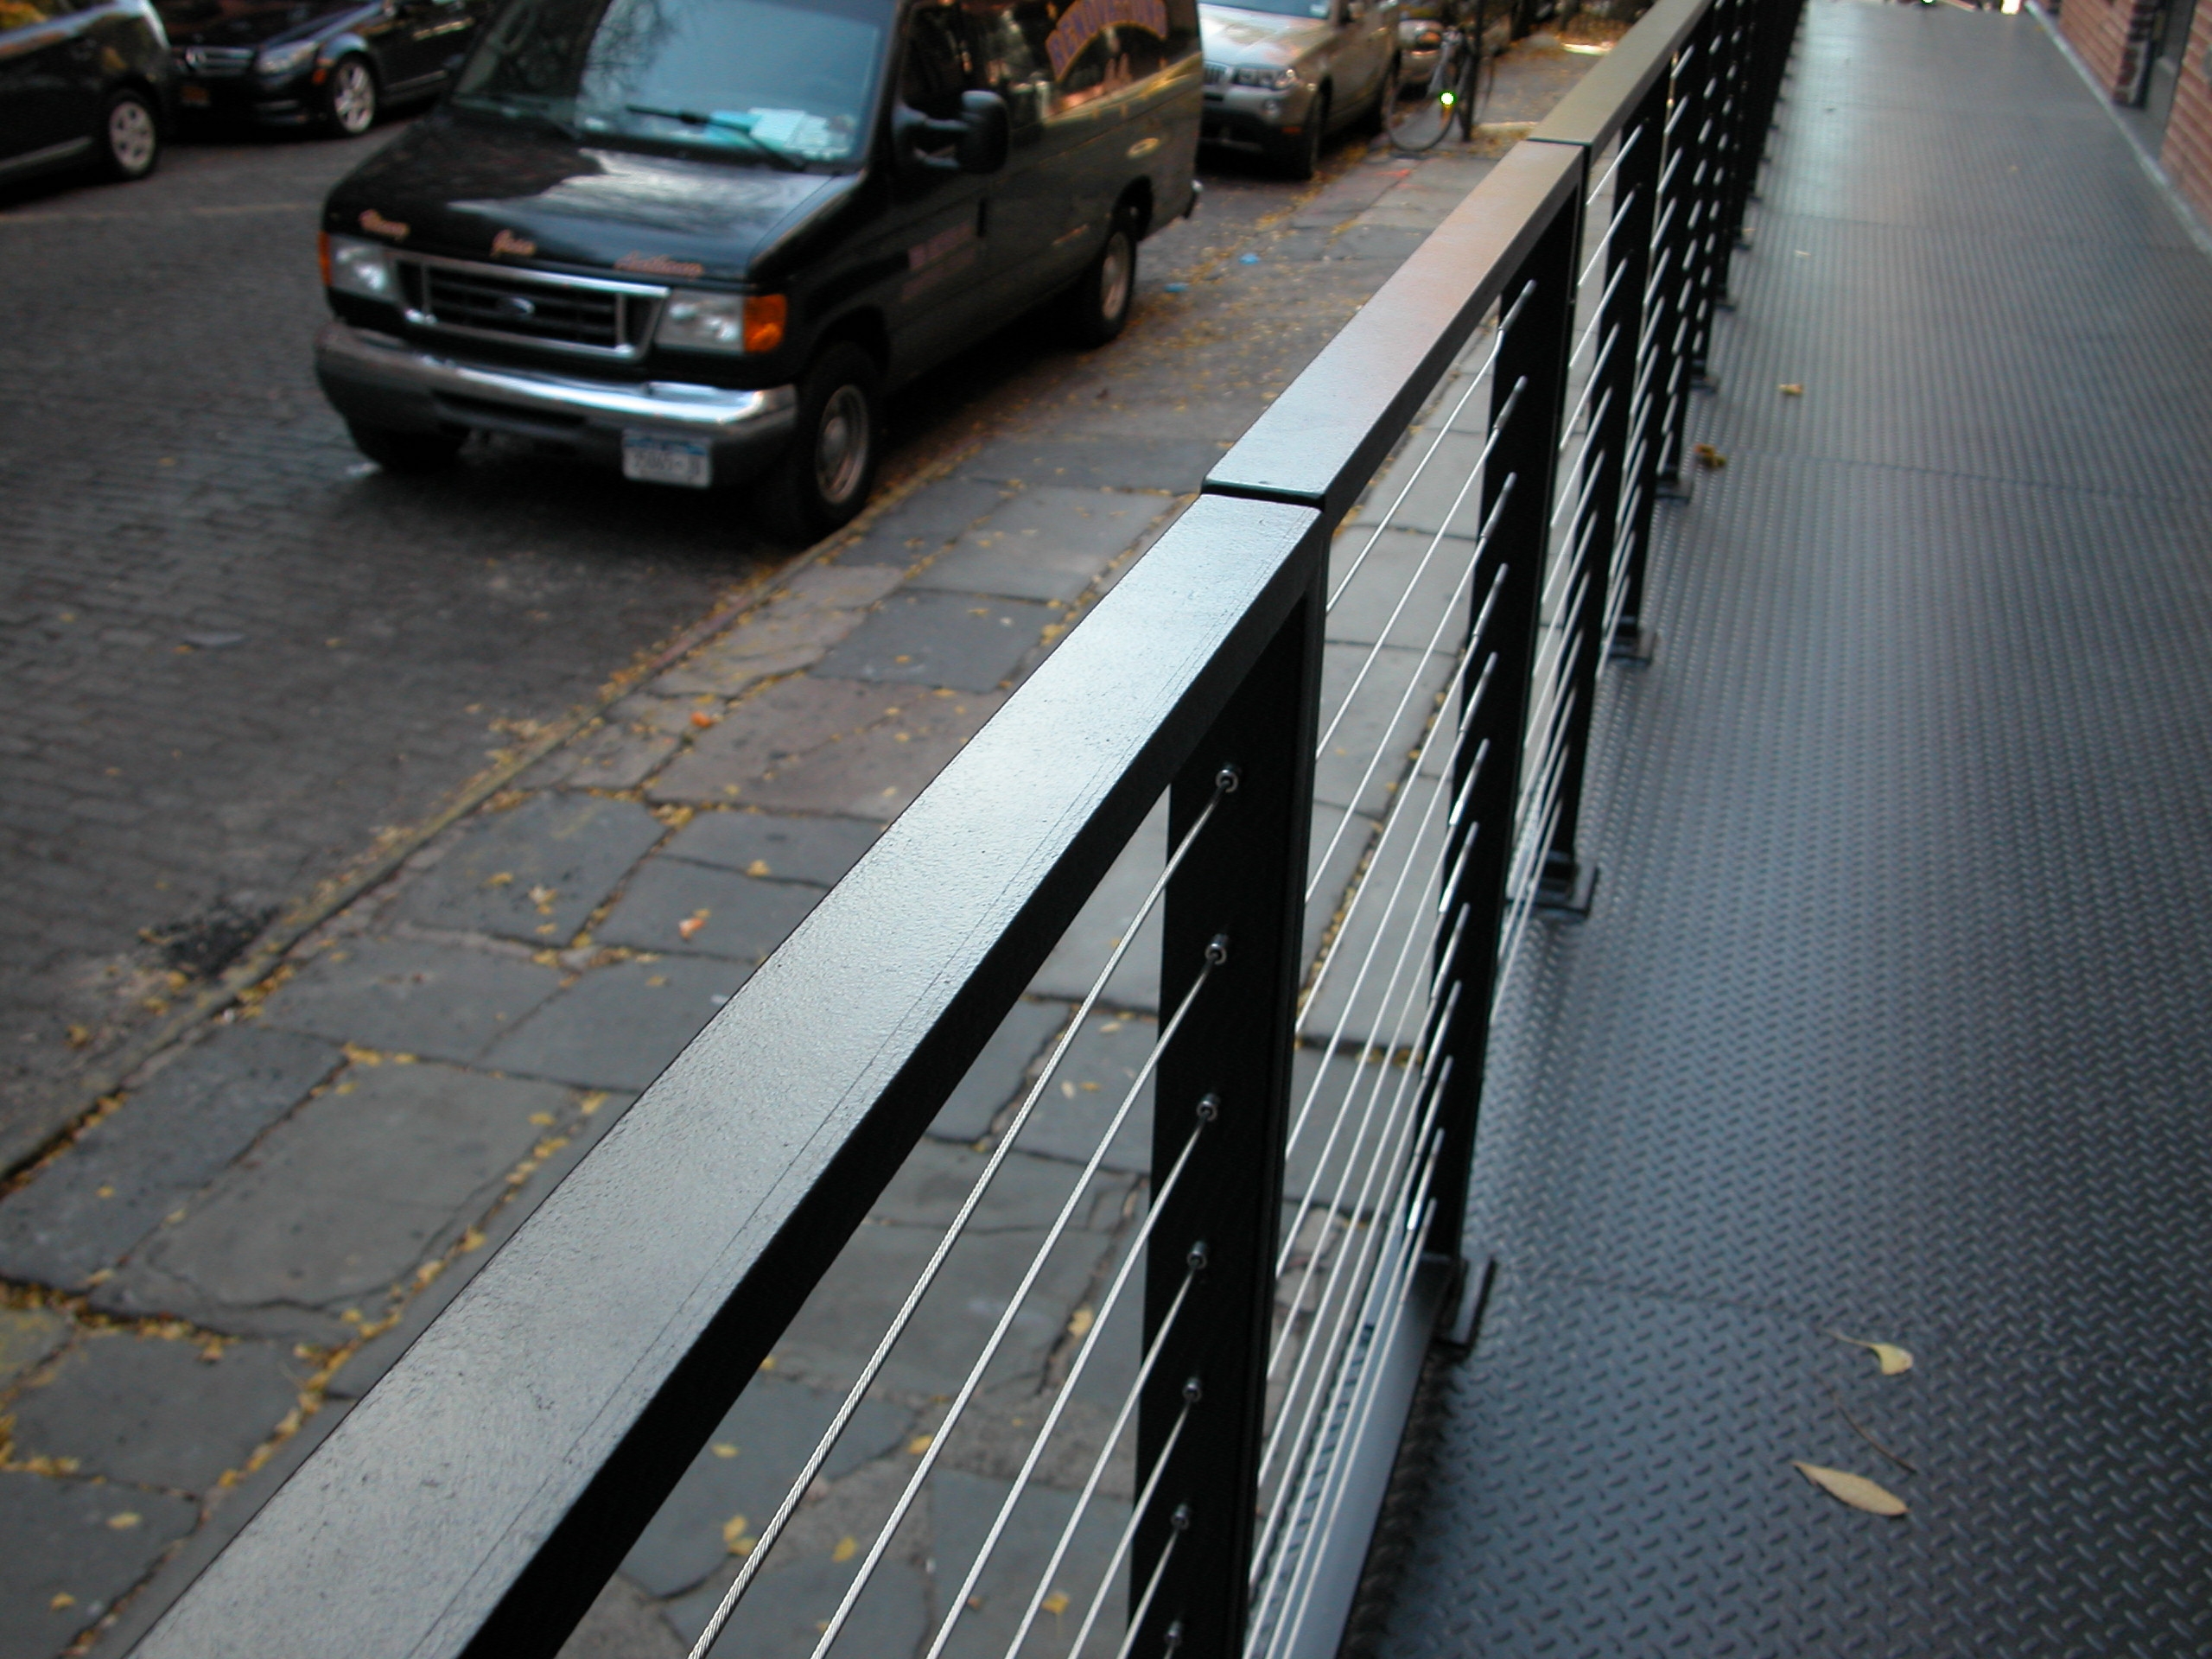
{"points": [[476, 1500]]}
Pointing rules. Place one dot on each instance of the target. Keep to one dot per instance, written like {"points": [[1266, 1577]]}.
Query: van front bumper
{"points": [[382, 381]]}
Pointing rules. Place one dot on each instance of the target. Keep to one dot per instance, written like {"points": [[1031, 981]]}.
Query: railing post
{"points": [[1517, 485], [1233, 910], [1674, 264], [1632, 244]]}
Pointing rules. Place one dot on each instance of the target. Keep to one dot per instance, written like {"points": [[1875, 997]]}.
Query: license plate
{"points": [[191, 94], [666, 460]]}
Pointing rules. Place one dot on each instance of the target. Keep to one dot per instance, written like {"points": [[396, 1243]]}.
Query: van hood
{"points": [[252, 22], [477, 190], [1233, 36]]}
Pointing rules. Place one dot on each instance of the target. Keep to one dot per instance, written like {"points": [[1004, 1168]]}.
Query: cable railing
{"points": [[1361, 674]]}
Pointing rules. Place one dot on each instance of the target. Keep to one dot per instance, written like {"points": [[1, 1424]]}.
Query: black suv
{"points": [[81, 84], [701, 237], [332, 63]]}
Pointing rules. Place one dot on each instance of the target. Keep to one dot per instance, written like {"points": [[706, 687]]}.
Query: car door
{"points": [[1366, 29], [428, 33], [49, 84], [1032, 208]]}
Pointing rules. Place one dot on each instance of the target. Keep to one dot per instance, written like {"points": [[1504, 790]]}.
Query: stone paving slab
{"points": [[133, 1167], [961, 1510], [1050, 542], [1406, 581], [877, 773], [1395, 701], [1090, 938], [921, 524], [28, 1335], [68, 1548], [792, 718], [1176, 465], [813, 611], [113, 1405], [965, 642], [995, 1081], [671, 905], [619, 1026], [1091, 1084], [737, 1480], [819, 850], [413, 997], [534, 873], [1026, 1194], [638, 736], [342, 1202]]}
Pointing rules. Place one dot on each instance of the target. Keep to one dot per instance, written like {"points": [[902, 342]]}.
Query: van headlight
{"points": [[693, 320], [1274, 81], [362, 268]]}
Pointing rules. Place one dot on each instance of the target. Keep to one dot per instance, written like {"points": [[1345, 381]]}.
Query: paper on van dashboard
{"points": [[793, 129]]}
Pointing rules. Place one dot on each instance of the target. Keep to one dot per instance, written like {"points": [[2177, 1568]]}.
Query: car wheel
{"points": [[350, 96], [1098, 304], [130, 138], [407, 451], [1301, 157], [824, 478]]}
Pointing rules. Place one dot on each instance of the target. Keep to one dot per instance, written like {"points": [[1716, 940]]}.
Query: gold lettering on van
{"points": [[377, 225], [507, 242]]}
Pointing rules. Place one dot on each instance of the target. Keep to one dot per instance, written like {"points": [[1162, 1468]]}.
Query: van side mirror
{"points": [[978, 136]]}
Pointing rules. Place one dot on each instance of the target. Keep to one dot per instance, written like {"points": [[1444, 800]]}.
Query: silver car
{"points": [[1283, 74]]}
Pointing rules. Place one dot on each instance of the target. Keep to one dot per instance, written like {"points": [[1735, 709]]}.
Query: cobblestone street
{"points": [[233, 655]]}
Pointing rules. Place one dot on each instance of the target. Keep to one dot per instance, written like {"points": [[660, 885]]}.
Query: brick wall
{"points": [[2108, 33], [2188, 153]]}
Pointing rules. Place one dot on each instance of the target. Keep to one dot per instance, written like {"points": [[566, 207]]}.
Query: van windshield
{"points": [[754, 81]]}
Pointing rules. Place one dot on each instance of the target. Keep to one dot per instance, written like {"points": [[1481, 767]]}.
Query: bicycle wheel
{"points": [[1418, 122]]}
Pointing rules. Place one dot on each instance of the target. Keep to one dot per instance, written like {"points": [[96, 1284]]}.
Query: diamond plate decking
{"points": [[1895, 1013]]}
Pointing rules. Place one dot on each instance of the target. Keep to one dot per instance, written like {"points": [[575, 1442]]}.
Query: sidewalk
{"points": [[197, 1288]]}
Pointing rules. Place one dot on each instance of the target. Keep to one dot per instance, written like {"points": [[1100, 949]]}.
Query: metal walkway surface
{"points": [[1894, 1014]]}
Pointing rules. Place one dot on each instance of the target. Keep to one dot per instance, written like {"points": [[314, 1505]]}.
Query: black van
{"points": [[701, 237]]}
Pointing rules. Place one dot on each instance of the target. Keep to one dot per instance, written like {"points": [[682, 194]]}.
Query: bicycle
{"points": [[1457, 87]]}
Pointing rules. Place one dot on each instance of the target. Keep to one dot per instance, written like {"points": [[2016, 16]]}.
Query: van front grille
{"points": [[567, 314]]}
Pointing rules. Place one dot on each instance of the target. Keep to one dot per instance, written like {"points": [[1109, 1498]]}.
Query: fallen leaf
{"points": [[847, 1547], [1080, 1321], [1790, 389], [702, 719], [1056, 1603], [734, 1538], [758, 866], [919, 1444], [61, 1599], [543, 898], [80, 1036], [724, 1449], [1893, 1360], [1857, 1490], [123, 1522], [693, 923], [1708, 457], [500, 879]]}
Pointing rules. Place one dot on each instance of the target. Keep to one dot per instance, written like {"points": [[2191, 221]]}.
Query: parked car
{"points": [[82, 85], [330, 63], [1281, 75], [701, 238]]}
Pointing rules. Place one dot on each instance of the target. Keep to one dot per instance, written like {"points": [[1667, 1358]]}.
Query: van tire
{"points": [[1097, 307], [822, 478], [1300, 159], [407, 451]]}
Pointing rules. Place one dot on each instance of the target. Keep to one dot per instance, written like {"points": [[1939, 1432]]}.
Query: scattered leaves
{"points": [[1790, 389], [758, 866], [1708, 457], [1893, 1360], [123, 1522], [1857, 1490], [847, 1547], [693, 923], [724, 1449], [702, 719], [61, 1599], [919, 1444], [734, 1538], [501, 880], [80, 1036], [1056, 1603], [1080, 1321]]}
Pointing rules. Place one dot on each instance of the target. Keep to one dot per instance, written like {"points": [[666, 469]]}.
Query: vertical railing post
{"points": [[1529, 390], [1233, 911], [1632, 244], [1705, 141]]}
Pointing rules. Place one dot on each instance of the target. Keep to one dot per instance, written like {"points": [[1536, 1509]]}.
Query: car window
{"points": [[935, 69], [746, 80], [1040, 57]]}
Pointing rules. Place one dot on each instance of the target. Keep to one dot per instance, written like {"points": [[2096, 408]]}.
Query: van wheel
{"points": [[824, 478], [407, 451], [1098, 304], [130, 139], [1301, 159], [350, 97]]}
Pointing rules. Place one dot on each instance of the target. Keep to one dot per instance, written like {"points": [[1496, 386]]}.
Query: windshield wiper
{"points": [[780, 156]]}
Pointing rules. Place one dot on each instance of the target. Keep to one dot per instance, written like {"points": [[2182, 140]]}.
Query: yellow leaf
{"points": [[1056, 1603], [1790, 389], [919, 1444], [734, 1534], [1855, 1490], [543, 1120], [123, 1522], [61, 1599], [1080, 1321], [693, 923], [758, 866], [724, 1449], [500, 879], [847, 1547], [1893, 1360]]}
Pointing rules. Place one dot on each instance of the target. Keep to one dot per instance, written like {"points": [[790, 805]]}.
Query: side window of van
{"points": [[1009, 37], [1098, 46], [937, 63]]}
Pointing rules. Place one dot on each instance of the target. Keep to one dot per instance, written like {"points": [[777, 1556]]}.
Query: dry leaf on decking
{"points": [[1855, 1490], [1893, 1360]]}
